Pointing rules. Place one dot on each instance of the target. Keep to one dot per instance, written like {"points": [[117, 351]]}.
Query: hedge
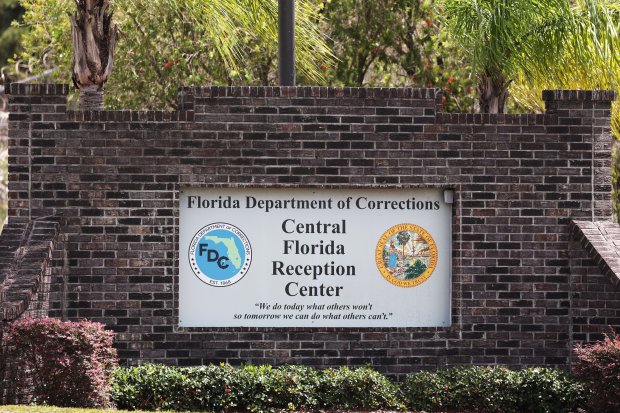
{"points": [[73, 364], [483, 389], [270, 389]]}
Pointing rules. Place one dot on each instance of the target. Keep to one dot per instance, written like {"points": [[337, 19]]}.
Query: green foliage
{"points": [[10, 10], [547, 390], [155, 387], [395, 43], [483, 389], [505, 37], [361, 388], [590, 60], [53, 409], [271, 389], [598, 365], [255, 388], [287, 387], [468, 388], [415, 270], [167, 43], [551, 43]]}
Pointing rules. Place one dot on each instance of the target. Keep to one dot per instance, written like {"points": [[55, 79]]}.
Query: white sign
{"points": [[314, 258]]}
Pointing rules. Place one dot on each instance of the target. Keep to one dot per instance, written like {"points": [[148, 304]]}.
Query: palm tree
{"points": [[403, 238], [594, 65], [163, 44], [512, 38], [94, 40], [226, 21]]}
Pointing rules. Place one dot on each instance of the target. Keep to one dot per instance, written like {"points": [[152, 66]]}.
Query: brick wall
{"points": [[115, 177], [4, 116], [595, 279], [26, 249]]}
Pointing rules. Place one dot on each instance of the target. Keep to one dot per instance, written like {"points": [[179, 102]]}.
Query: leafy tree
{"points": [[512, 38], [395, 43], [167, 43], [10, 10]]}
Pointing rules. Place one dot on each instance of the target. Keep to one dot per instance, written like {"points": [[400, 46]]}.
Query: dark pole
{"points": [[286, 47]]}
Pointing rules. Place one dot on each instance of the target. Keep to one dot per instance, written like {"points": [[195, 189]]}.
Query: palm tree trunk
{"points": [[492, 94], [94, 40]]}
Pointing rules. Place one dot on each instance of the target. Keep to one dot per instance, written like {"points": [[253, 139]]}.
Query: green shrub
{"points": [[361, 388], [159, 387], [425, 391], [255, 388], [483, 389], [598, 366], [547, 390], [465, 388], [148, 387], [287, 387], [273, 389]]}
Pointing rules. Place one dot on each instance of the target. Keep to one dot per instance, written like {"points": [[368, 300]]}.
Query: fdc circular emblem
{"points": [[406, 255], [220, 254]]}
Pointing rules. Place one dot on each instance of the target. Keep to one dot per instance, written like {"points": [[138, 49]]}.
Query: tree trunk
{"points": [[492, 94], [94, 39]]}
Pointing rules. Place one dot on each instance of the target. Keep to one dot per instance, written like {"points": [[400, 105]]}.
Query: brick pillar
{"points": [[33, 109], [185, 98], [588, 113]]}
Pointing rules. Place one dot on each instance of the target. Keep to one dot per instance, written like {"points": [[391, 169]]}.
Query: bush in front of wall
{"points": [[598, 366], [272, 389], [61, 363], [548, 390], [253, 388], [494, 390], [286, 387], [361, 388], [161, 387], [464, 388]]}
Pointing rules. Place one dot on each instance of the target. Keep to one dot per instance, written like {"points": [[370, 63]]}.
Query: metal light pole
{"points": [[286, 46]]}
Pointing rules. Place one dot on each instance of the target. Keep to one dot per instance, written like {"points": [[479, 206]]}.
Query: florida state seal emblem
{"points": [[406, 255]]}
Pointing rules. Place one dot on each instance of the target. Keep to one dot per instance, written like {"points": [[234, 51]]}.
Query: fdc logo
{"points": [[220, 254]]}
